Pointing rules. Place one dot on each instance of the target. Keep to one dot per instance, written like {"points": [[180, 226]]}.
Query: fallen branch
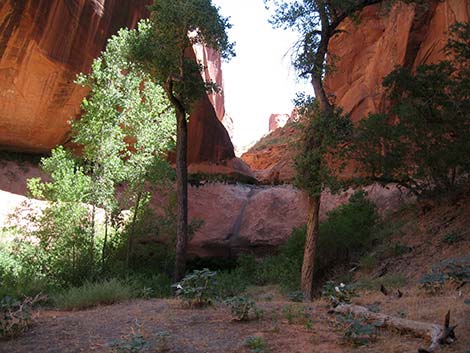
{"points": [[438, 334]]}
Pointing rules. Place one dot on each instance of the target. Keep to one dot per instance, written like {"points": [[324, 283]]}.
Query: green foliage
{"points": [[150, 284], [231, 283], [136, 342], [339, 293], [345, 236], [243, 308], [456, 269], [422, 142], [296, 296], [389, 281], [256, 344], [93, 294], [160, 43], [198, 288], [324, 133], [358, 332], [348, 233], [296, 314], [315, 22], [15, 315], [452, 238], [124, 133]]}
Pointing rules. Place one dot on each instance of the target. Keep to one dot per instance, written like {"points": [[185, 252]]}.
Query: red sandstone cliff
{"points": [[406, 35], [44, 44]]}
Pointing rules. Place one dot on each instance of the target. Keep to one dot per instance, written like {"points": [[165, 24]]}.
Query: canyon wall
{"points": [[44, 44], [406, 35], [364, 53]]}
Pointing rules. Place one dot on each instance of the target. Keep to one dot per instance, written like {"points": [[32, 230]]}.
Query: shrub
{"points": [[197, 289], [358, 332], [93, 294], [243, 308], [151, 285], [15, 315], [231, 283], [256, 344], [339, 293]]}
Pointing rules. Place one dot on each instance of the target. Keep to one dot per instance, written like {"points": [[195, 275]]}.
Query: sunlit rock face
{"points": [[277, 121], [45, 43], [407, 35]]}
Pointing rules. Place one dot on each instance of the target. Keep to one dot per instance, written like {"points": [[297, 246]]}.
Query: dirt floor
{"points": [[285, 327]]}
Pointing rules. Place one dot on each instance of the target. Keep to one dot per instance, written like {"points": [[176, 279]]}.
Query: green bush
{"points": [[15, 315], [243, 308], [256, 344], [151, 285], [198, 288], [93, 294], [344, 237]]}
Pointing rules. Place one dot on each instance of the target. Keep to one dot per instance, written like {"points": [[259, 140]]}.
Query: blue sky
{"points": [[260, 80]]}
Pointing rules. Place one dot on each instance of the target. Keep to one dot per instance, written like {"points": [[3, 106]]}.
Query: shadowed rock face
{"points": [[45, 43]]}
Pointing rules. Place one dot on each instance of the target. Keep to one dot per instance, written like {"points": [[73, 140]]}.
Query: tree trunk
{"points": [[105, 242], [130, 241], [181, 193], [308, 264]]}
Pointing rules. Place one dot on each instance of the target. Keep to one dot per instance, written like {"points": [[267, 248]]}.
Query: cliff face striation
{"points": [[44, 44]]}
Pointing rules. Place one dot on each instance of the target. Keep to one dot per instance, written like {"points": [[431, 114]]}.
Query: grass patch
{"points": [[93, 294], [389, 281]]}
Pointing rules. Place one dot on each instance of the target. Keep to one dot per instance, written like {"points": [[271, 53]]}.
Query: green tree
{"points": [[126, 130], [423, 142], [124, 134], [316, 21], [163, 48]]}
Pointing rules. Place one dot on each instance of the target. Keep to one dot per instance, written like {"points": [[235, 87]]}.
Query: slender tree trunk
{"points": [[92, 237], [130, 242], [181, 193], [105, 241], [308, 264]]}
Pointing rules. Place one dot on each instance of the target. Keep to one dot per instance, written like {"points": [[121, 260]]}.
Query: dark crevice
{"points": [[423, 14]]}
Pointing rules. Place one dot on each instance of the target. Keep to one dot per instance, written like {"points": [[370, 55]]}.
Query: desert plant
{"points": [[15, 315], [296, 313], [358, 332], [197, 289], [243, 308], [339, 293], [256, 344]]}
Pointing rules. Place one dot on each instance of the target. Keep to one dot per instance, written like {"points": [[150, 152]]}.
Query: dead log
{"points": [[438, 334]]}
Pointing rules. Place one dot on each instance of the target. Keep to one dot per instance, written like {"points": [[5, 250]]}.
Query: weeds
{"points": [[358, 332], [256, 344], [15, 315], [243, 309], [93, 294]]}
